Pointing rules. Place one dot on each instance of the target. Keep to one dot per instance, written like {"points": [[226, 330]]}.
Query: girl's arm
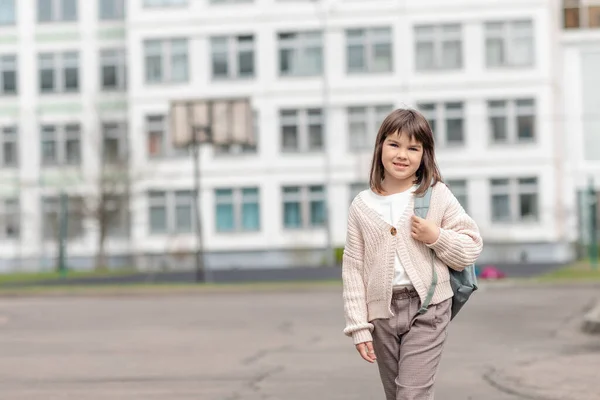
{"points": [[354, 292], [459, 243]]}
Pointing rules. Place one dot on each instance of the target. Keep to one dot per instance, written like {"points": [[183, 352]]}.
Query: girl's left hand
{"points": [[423, 230]]}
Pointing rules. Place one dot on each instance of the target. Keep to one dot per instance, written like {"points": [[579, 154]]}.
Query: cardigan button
{"points": [[393, 231]]}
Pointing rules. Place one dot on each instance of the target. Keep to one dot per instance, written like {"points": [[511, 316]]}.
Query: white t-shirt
{"points": [[390, 208]]}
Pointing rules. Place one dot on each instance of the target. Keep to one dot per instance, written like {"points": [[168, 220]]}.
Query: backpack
{"points": [[463, 283]]}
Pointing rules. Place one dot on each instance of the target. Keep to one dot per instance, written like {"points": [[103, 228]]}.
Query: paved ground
{"points": [[509, 343]]}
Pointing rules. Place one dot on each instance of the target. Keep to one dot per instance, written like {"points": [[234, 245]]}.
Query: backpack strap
{"points": [[421, 208]]}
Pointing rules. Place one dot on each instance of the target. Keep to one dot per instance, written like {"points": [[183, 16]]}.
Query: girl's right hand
{"points": [[366, 351]]}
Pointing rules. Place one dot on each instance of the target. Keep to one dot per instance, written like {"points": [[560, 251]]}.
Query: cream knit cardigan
{"points": [[369, 255]]}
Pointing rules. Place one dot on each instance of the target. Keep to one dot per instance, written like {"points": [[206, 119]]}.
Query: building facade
{"points": [[85, 85]]}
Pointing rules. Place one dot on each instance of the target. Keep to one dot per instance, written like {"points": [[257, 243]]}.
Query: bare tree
{"points": [[108, 202]]}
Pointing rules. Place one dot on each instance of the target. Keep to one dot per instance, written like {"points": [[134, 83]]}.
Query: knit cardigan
{"points": [[370, 251]]}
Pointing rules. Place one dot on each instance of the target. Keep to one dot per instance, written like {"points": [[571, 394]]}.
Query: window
{"points": [[159, 141], [509, 44], [51, 214], [301, 130], [113, 70], [10, 150], [515, 200], [300, 54], [111, 9], [8, 74], [166, 60], [303, 206], [512, 121], [57, 10], [61, 145], [363, 125], [165, 3], [446, 121], [237, 210], [114, 142], [11, 218], [59, 72], [7, 12], [369, 50], [170, 212], [232, 56], [581, 14], [459, 189], [438, 47]]}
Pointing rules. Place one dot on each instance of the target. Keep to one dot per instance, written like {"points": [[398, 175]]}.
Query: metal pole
{"points": [[199, 260], [62, 234], [330, 255], [593, 203]]}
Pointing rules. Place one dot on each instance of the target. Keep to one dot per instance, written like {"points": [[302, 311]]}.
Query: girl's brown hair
{"points": [[412, 123]]}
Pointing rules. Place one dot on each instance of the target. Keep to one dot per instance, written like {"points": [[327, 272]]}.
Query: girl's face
{"points": [[401, 158]]}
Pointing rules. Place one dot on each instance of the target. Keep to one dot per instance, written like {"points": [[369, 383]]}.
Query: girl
{"points": [[387, 259]]}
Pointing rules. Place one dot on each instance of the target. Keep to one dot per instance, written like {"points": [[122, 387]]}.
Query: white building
{"points": [[580, 75], [321, 75]]}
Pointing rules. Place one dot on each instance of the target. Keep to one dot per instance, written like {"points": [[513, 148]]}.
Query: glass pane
{"points": [[73, 152], [69, 10], [290, 138], [291, 215], [494, 51], [225, 218], [179, 68], [498, 127], [312, 64], [317, 213], [451, 55], [7, 12], [382, 57], [454, 131], [158, 219], [425, 56], [246, 63], [356, 58], [500, 208], [526, 126], [109, 77], [183, 218], [219, 64], [48, 152], [47, 80], [154, 70], [9, 82], [286, 61], [250, 217], [155, 146], [315, 137], [358, 135], [522, 51], [528, 206], [111, 150], [71, 78], [10, 153], [44, 8]]}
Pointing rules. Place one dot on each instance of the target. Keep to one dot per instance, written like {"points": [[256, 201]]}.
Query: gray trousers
{"points": [[409, 346]]}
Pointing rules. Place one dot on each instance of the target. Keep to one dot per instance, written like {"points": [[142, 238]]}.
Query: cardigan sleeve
{"points": [[459, 243], [354, 292]]}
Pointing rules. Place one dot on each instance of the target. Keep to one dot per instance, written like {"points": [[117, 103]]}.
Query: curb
{"points": [[591, 321]]}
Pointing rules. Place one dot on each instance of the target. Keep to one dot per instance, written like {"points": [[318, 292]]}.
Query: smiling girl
{"points": [[387, 259]]}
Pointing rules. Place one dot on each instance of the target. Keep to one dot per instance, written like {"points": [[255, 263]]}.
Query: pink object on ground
{"points": [[491, 272]]}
